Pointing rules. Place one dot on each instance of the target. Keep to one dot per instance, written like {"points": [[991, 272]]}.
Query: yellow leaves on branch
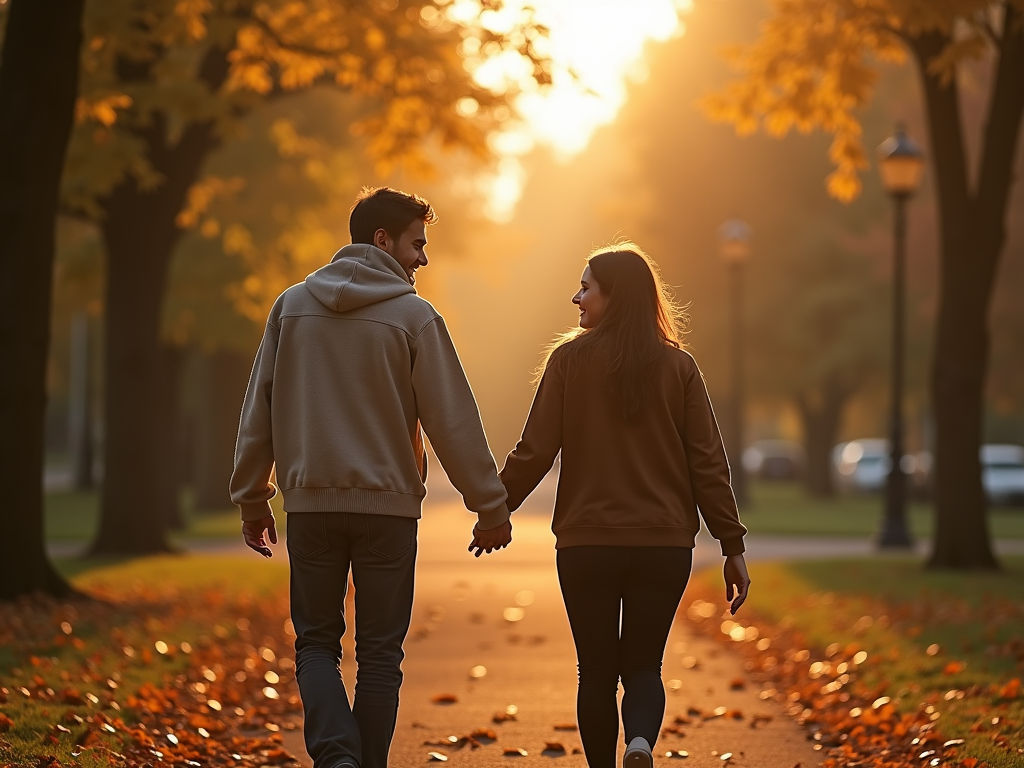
{"points": [[201, 196], [815, 65], [101, 108]]}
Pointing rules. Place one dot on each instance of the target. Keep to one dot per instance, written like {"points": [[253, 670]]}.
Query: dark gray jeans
{"points": [[381, 552]]}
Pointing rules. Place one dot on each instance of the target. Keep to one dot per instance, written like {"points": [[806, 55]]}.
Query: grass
{"points": [[942, 642], [785, 509], [82, 666]]}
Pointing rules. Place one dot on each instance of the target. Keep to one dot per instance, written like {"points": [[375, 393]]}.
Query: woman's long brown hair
{"points": [[639, 321]]}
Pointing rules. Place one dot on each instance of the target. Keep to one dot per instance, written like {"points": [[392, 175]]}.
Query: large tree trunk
{"points": [[140, 235], [972, 236], [38, 87], [821, 415], [223, 376]]}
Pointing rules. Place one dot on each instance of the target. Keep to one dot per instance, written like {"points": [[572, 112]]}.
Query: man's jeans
{"points": [[381, 550]]}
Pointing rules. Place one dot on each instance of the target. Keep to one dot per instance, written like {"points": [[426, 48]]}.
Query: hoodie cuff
{"points": [[493, 518], [256, 511], [732, 546]]}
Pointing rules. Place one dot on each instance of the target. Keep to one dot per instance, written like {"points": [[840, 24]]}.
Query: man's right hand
{"points": [[491, 539], [257, 534]]}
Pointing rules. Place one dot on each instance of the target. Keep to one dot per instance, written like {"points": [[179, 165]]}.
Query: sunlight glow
{"points": [[597, 47]]}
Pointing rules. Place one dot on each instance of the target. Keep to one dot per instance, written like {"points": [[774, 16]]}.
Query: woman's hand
{"points": [[737, 582]]}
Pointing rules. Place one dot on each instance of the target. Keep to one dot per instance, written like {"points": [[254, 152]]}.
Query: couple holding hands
{"points": [[354, 367]]}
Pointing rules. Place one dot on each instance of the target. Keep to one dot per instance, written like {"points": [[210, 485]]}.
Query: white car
{"points": [[1002, 474], [862, 466]]}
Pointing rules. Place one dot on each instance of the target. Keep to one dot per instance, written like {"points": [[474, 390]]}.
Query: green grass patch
{"points": [[783, 508], [948, 644], [71, 672]]}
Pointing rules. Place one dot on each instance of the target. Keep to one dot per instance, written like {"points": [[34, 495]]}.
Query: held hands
{"points": [[737, 582], [490, 539], [253, 530]]}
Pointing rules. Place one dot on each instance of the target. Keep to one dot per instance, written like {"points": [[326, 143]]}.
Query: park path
{"points": [[460, 622]]}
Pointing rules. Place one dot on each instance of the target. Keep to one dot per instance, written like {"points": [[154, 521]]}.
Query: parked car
{"points": [[1002, 474], [775, 460], [862, 466]]}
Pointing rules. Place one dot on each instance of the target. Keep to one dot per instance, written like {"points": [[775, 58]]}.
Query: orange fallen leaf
{"points": [[502, 717], [566, 727], [737, 684], [514, 752], [5, 723], [437, 757], [1011, 690], [444, 698], [954, 667], [554, 746]]}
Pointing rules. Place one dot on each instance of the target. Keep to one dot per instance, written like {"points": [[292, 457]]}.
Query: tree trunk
{"points": [[223, 378], [972, 237], [38, 87], [140, 233], [821, 416]]}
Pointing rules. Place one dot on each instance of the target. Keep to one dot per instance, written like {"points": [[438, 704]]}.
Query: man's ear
{"points": [[380, 239]]}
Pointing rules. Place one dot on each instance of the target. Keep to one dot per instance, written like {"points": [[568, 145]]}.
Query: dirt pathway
{"points": [[462, 627]]}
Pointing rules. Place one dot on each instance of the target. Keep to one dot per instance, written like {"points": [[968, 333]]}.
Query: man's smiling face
{"points": [[407, 249]]}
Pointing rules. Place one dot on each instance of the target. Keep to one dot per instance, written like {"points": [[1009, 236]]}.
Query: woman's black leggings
{"points": [[621, 602]]}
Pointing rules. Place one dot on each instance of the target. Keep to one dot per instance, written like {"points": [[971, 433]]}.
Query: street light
{"points": [[901, 163], [734, 248]]}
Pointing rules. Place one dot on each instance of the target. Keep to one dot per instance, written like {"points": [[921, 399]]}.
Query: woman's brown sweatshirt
{"points": [[637, 482]]}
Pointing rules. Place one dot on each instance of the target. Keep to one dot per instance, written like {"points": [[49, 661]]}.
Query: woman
{"points": [[641, 454]]}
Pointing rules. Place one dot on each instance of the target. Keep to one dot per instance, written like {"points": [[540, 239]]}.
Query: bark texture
{"points": [[972, 237], [38, 87]]}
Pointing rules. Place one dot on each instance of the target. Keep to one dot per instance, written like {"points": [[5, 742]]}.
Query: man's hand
{"points": [[491, 539], [253, 530], [737, 582]]}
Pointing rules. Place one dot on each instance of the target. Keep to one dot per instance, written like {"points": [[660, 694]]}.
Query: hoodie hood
{"points": [[358, 275]]}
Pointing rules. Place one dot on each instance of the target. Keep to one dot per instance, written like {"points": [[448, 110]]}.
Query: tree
{"points": [[167, 85], [814, 65], [38, 85], [827, 316]]}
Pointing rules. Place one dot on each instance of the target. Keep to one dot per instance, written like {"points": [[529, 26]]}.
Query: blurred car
{"points": [[775, 460], [1002, 474], [862, 466]]}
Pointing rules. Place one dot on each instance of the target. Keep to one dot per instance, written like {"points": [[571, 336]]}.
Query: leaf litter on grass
{"points": [[144, 676], [854, 714]]}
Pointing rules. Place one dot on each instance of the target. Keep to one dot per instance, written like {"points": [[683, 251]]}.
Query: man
{"points": [[352, 362]]}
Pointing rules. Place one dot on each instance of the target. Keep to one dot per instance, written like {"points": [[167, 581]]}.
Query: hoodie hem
{"points": [[365, 500], [653, 536]]}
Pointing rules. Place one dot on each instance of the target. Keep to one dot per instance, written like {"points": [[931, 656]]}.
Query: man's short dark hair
{"points": [[389, 209]]}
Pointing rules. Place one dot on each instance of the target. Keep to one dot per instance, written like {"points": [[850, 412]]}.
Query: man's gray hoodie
{"points": [[352, 362]]}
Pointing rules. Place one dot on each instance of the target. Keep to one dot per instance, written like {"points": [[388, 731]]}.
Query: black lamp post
{"points": [[734, 247], [901, 163]]}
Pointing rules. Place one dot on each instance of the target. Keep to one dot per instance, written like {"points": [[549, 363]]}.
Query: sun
{"points": [[597, 48]]}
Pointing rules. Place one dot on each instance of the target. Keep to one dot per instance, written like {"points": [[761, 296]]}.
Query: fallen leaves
{"points": [[1011, 690], [444, 698], [514, 752]]}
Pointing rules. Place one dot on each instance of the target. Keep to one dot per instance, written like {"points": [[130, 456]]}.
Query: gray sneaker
{"points": [[638, 754]]}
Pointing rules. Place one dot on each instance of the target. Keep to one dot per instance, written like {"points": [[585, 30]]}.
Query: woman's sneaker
{"points": [[638, 754]]}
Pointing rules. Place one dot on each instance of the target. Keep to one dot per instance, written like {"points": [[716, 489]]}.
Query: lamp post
{"points": [[734, 248], [901, 163]]}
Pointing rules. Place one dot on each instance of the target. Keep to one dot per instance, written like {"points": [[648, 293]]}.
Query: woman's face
{"points": [[590, 300]]}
